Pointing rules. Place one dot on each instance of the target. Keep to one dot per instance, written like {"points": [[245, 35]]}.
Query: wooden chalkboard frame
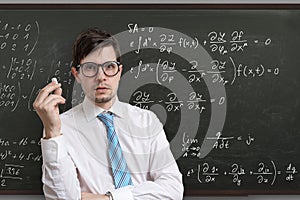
{"points": [[172, 6]]}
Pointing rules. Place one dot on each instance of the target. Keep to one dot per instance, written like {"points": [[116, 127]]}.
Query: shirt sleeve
{"points": [[165, 179], [59, 172], [166, 184]]}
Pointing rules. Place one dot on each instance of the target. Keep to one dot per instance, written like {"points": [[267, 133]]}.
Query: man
{"points": [[103, 148]]}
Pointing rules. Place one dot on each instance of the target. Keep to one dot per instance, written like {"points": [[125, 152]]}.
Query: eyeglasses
{"points": [[91, 69]]}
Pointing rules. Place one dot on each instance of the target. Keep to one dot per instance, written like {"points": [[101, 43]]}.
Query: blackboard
{"points": [[223, 79]]}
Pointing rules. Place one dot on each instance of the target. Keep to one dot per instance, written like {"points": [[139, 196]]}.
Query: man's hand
{"points": [[90, 196], [46, 106]]}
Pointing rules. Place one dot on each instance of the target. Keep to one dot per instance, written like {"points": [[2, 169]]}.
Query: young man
{"points": [[103, 148]]}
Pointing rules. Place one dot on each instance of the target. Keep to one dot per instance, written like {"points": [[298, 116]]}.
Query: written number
{"points": [[13, 171], [3, 183]]}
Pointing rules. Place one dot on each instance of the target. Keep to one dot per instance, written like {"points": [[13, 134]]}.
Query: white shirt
{"points": [[77, 161]]}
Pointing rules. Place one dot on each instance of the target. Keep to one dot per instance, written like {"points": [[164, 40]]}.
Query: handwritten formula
{"points": [[238, 175]]}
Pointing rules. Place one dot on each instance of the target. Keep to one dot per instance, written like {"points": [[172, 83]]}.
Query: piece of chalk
{"points": [[54, 80]]}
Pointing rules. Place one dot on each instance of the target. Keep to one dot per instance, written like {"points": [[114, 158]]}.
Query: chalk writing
{"points": [[165, 71], [223, 42], [8, 96], [193, 101], [164, 42], [21, 69], [22, 37], [191, 146], [239, 175]]}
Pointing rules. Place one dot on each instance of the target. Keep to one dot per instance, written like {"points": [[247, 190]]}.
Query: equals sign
{"points": [[41, 70], [269, 70]]}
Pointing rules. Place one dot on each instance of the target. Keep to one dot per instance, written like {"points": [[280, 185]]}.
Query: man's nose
{"points": [[100, 75]]}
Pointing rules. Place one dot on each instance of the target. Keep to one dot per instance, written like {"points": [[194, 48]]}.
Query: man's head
{"points": [[99, 83], [91, 39]]}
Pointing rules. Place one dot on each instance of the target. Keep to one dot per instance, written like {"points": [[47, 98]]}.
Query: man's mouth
{"points": [[101, 88]]}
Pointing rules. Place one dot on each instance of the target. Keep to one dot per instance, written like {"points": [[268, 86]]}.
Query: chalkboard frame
{"points": [[172, 6], [79, 6]]}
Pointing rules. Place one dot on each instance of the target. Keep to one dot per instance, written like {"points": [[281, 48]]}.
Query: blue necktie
{"points": [[118, 163]]}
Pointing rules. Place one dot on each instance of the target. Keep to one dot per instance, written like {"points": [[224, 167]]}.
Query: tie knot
{"points": [[106, 118]]}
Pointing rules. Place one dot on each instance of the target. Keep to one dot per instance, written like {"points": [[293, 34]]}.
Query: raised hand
{"points": [[46, 105]]}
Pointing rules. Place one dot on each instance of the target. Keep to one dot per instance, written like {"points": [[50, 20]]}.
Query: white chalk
{"points": [[54, 80]]}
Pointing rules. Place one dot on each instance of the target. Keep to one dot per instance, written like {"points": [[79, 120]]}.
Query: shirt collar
{"points": [[91, 110]]}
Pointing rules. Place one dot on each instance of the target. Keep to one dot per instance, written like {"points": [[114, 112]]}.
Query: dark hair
{"points": [[90, 40]]}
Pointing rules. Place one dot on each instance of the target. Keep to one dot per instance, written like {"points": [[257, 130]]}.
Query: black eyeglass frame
{"points": [[100, 65]]}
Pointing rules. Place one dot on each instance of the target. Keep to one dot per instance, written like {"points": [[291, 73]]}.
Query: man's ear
{"points": [[75, 74], [121, 68]]}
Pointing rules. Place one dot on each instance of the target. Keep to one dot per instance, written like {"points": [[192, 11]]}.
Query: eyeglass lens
{"points": [[90, 69]]}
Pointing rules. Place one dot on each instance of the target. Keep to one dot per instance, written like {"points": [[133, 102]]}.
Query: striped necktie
{"points": [[119, 167]]}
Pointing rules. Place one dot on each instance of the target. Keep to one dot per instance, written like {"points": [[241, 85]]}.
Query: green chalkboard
{"points": [[224, 81]]}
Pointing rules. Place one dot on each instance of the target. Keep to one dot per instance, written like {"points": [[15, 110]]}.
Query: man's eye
{"points": [[110, 66], [90, 67]]}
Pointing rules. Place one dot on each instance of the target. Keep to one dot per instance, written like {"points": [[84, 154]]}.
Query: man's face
{"points": [[100, 89]]}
